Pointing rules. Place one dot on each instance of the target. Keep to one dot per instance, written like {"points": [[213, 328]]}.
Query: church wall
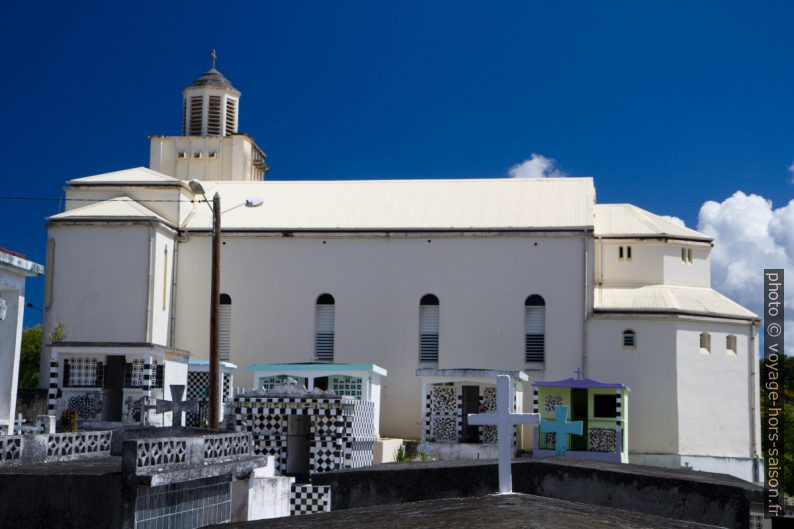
{"points": [[649, 370], [232, 160], [713, 398], [377, 283], [161, 291], [100, 281], [678, 272], [644, 268]]}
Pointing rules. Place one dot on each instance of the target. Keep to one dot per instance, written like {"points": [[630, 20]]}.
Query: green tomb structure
{"points": [[601, 407]]}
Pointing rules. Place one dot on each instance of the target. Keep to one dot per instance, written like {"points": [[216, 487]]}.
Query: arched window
{"points": [[225, 334], [705, 342], [428, 328], [324, 324], [629, 339], [534, 329]]}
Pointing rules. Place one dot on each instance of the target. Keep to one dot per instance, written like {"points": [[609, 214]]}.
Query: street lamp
{"points": [[215, 294]]}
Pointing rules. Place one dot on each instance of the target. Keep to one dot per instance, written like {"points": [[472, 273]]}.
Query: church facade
{"points": [[416, 276]]}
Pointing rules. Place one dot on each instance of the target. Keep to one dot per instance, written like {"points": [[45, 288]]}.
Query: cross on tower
{"points": [[505, 421], [561, 428], [177, 405], [214, 57], [579, 373]]}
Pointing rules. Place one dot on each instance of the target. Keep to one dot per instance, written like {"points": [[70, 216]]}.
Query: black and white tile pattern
{"points": [[309, 499]]}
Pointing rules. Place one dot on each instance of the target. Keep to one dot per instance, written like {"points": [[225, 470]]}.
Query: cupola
{"points": [[210, 105]]}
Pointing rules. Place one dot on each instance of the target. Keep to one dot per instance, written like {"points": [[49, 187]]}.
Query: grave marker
{"points": [[560, 427]]}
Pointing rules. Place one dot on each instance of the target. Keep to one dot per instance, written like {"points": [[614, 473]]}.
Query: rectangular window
{"points": [[705, 342], [196, 110], [231, 116], [605, 406], [534, 333], [428, 333], [214, 116], [730, 344], [628, 253], [620, 253], [324, 339], [225, 334]]}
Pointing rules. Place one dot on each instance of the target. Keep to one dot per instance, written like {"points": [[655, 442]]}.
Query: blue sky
{"points": [[667, 105]]}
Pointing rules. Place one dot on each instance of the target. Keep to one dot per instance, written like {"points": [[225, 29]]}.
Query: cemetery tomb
{"points": [[600, 408], [113, 383], [198, 388]]}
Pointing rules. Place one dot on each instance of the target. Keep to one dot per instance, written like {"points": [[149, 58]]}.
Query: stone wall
{"points": [[714, 499]]}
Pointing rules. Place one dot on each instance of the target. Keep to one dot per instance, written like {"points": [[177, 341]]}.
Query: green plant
{"points": [[399, 454], [59, 333], [30, 357], [69, 420]]}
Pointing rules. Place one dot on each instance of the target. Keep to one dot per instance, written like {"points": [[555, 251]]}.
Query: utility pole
{"points": [[215, 295]]}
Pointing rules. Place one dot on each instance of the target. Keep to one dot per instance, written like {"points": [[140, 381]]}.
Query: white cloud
{"points": [[674, 220], [537, 166], [750, 235]]}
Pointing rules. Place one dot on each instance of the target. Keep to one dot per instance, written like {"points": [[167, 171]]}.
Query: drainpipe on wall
{"points": [[584, 308], [752, 390]]}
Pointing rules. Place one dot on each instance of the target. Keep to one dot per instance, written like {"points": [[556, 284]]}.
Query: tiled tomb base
{"points": [[309, 499], [186, 505]]}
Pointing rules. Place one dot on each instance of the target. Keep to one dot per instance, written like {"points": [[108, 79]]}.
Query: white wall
{"points": [[12, 290], [100, 282], [652, 263], [714, 391], [377, 284], [649, 370], [234, 156], [162, 279]]}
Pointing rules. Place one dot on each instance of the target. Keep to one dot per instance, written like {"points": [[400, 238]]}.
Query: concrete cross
{"points": [[177, 405], [579, 373], [505, 421], [561, 427]]}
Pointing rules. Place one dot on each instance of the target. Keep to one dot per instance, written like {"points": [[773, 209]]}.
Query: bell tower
{"points": [[210, 105], [210, 147]]}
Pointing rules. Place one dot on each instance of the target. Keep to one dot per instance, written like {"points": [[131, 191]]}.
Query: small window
{"points": [[730, 344], [705, 342], [534, 329], [689, 255], [428, 328], [629, 339], [605, 406], [620, 253], [225, 334], [628, 253], [683, 254], [324, 324]]}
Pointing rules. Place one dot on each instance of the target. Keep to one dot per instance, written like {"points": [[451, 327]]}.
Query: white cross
{"points": [[505, 421]]}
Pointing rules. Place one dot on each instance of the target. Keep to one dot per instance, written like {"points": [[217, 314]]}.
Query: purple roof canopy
{"points": [[579, 383]]}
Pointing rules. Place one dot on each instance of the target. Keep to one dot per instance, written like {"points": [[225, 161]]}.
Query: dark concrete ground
{"points": [[513, 511]]}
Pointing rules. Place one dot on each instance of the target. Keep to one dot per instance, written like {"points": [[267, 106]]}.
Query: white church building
{"points": [[425, 278]]}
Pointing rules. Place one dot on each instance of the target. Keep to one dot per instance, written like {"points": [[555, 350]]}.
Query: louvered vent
{"points": [[214, 116], [534, 329], [196, 108], [324, 338], [225, 334], [184, 117], [428, 328], [231, 116]]}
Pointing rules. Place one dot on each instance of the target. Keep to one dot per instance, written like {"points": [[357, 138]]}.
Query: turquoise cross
{"points": [[561, 427]]}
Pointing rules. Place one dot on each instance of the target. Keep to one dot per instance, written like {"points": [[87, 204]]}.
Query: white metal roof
{"points": [[19, 264], [136, 175], [627, 220], [498, 204], [122, 207], [669, 298]]}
